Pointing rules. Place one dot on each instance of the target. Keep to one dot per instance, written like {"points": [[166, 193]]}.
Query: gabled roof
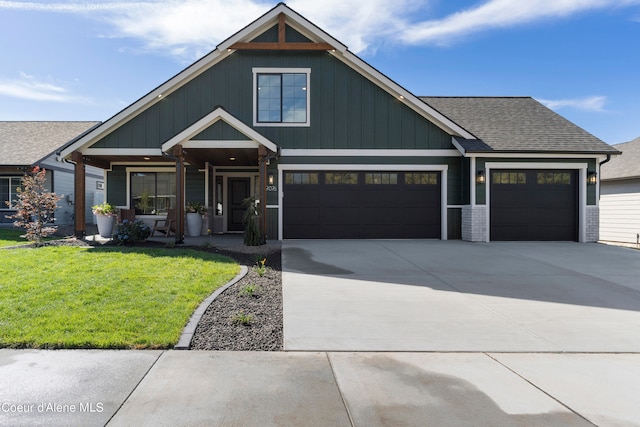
{"points": [[215, 116], [516, 124], [247, 34], [625, 166], [27, 143]]}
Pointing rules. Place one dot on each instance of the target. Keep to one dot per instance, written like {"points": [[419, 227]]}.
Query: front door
{"points": [[239, 189]]}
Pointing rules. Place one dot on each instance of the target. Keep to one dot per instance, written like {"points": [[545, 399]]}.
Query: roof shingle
{"points": [[625, 166], [26, 143], [516, 124]]}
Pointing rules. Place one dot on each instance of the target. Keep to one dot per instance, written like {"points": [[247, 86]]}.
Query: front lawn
{"points": [[74, 297], [11, 237]]}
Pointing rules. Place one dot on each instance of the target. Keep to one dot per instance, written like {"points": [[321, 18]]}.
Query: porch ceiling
{"points": [[195, 156]]}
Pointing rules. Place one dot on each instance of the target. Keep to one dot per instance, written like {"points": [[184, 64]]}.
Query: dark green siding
{"points": [[117, 186], [347, 110], [271, 35], [194, 185], [272, 224], [220, 131]]}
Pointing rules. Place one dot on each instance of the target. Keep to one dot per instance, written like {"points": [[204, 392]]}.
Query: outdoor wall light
{"points": [[270, 178], [592, 178], [481, 178]]}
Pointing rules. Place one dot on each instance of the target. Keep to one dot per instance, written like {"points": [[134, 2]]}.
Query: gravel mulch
{"points": [[220, 327]]}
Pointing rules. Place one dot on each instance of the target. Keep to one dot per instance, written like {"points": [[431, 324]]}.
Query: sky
{"points": [[87, 60]]}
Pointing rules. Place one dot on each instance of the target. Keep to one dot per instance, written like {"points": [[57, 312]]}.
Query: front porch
{"points": [[217, 162]]}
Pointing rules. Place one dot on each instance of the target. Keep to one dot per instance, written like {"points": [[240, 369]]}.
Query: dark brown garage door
{"points": [[361, 205], [534, 205]]}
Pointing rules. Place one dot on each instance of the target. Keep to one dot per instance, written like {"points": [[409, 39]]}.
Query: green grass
{"points": [[11, 237], [71, 297]]}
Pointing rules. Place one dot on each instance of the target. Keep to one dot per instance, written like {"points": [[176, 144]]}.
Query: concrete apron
{"points": [[421, 295], [338, 389]]}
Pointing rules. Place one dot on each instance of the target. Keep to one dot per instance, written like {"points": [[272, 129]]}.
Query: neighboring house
{"points": [[620, 195], [332, 148], [27, 144]]}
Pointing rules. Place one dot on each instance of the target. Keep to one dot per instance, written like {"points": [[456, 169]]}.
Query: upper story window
{"points": [[281, 96]]}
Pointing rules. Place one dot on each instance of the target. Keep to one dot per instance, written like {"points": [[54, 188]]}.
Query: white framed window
{"points": [[8, 190], [281, 96]]}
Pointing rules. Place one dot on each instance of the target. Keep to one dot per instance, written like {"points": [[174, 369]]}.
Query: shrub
{"points": [[129, 232], [35, 207]]}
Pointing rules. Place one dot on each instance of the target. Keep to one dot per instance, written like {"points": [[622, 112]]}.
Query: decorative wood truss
{"points": [[281, 44]]}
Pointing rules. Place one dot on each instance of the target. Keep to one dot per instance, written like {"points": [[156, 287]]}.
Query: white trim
{"points": [[248, 33], [130, 170], [366, 153], [402, 94], [141, 152], [472, 182], [259, 70], [582, 189], [459, 147], [210, 119], [498, 155], [455, 206], [220, 144], [273, 207], [392, 168]]}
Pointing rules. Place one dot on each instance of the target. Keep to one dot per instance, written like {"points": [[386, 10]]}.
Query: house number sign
{"points": [[272, 188]]}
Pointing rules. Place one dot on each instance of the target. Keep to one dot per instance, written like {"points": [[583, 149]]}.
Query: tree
{"points": [[35, 207]]}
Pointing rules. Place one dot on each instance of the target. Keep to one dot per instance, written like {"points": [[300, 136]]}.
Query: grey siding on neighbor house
{"points": [[480, 164], [347, 110], [620, 210]]}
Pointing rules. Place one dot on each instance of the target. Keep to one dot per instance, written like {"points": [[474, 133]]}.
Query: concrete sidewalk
{"points": [[190, 388]]}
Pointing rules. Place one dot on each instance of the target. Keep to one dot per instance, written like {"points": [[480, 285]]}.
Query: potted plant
{"points": [[194, 210], [105, 218]]}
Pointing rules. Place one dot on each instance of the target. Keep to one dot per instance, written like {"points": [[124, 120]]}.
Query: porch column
{"points": [[79, 190], [180, 179], [262, 162]]}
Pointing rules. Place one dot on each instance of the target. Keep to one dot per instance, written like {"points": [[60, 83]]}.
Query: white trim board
{"points": [[391, 168], [292, 152], [582, 189]]}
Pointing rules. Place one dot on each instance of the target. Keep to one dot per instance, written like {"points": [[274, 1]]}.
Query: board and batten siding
{"points": [[620, 211], [347, 110]]}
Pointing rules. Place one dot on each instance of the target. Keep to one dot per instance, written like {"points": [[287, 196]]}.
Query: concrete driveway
{"points": [[423, 295]]}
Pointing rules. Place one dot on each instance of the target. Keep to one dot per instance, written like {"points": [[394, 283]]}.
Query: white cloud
{"points": [[591, 103], [190, 28], [500, 14], [28, 87]]}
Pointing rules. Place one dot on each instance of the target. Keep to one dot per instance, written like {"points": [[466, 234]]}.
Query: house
{"points": [[27, 144], [620, 196], [332, 148]]}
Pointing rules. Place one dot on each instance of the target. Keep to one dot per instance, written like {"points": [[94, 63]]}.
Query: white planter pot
{"points": [[194, 224], [105, 225]]}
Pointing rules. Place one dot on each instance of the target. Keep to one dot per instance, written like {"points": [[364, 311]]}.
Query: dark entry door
{"points": [[534, 205], [239, 189]]}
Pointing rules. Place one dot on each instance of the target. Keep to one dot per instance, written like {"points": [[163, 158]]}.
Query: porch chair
{"points": [[168, 224]]}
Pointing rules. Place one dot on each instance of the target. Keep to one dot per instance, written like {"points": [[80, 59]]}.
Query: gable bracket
{"points": [[281, 44]]}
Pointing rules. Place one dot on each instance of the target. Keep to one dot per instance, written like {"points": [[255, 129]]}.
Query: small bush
{"points": [[251, 290], [242, 319], [129, 232], [261, 269]]}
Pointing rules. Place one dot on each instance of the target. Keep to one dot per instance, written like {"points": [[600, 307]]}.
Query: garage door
{"points": [[534, 205], [361, 205]]}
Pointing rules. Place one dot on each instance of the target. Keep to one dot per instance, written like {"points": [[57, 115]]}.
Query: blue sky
{"points": [[68, 60]]}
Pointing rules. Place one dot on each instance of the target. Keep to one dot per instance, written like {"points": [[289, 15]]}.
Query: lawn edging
{"points": [[187, 333]]}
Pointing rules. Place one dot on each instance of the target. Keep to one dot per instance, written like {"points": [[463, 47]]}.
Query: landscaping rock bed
{"points": [[248, 315]]}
